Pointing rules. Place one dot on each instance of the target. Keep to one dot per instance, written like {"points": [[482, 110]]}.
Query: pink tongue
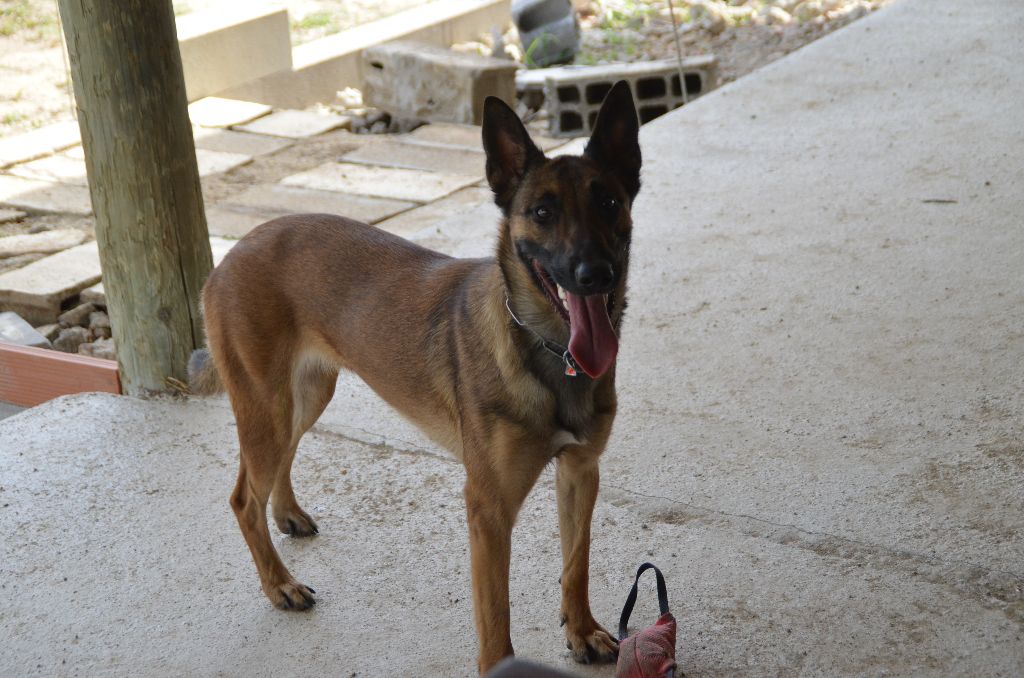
{"points": [[592, 341]]}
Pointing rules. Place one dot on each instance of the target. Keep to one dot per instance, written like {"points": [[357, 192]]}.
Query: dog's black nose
{"points": [[594, 276]]}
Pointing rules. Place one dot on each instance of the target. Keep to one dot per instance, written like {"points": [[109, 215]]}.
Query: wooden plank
{"points": [[29, 376]]}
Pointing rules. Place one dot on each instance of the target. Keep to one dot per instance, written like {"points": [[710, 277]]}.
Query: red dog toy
{"points": [[651, 652]]}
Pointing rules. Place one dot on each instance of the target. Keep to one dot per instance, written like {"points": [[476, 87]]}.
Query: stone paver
{"points": [[7, 214], [62, 168], [292, 199], [431, 215], [96, 295], [215, 162], [36, 292], [468, 136], [235, 222], [382, 182], [43, 196], [245, 143], [44, 242], [218, 112], [14, 330], [294, 124], [38, 142], [430, 158]]}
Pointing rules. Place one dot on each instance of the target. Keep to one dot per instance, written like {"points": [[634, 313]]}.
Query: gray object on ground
{"points": [[14, 330], [416, 80], [548, 30]]}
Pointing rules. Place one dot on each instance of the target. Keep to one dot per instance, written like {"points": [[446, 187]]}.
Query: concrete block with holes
{"points": [[573, 94], [417, 80]]}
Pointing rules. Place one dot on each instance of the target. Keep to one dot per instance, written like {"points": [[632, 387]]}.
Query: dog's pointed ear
{"points": [[614, 144], [510, 151]]}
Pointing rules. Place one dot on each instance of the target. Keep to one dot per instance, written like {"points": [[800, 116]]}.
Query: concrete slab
{"points": [[238, 142], [430, 158], [32, 195], [36, 292], [295, 124], [8, 215], [216, 162], [393, 549], [39, 142], [44, 242], [292, 199], [220, 112], [433, 219], [381, 182], [60, 168], [818, 433], [228, 222], [466, 136], [94, 294]]}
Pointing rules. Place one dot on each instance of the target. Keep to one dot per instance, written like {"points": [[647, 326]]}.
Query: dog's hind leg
{"points": [[264, 419], [313, 384], [577, 480]]}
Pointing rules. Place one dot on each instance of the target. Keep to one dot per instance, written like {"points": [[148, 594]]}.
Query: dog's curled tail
{"points": [[202, 374]]}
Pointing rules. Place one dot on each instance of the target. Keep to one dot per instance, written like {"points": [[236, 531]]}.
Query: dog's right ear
{"points": [[510, 151]]}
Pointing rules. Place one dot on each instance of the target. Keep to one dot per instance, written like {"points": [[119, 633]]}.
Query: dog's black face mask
{"points": [[569, 222]]}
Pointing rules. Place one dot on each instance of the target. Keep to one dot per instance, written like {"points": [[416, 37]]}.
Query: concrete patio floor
{"points": [[820, 436]]}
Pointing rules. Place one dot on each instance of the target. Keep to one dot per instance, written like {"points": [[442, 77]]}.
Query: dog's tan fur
{"points": [[304, 296]]}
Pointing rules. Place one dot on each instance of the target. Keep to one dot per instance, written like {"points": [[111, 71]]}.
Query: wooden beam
{"points": [[143, 180], [29, 376]]}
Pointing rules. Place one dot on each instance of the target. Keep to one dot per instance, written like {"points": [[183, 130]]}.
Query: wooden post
{"points": [[143, 180]]}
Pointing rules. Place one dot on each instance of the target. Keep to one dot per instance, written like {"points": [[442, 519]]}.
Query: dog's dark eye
{"points": [[610, 204], [542, 214]]}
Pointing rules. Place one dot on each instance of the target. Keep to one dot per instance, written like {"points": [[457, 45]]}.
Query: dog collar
{"points": [[557, 350]]}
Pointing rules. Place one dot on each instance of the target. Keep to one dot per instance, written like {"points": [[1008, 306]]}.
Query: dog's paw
{"points": [[291, 596], [296, 523], [592, 645]]}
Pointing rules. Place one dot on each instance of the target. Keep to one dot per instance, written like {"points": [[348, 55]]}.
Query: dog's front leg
{"points": [[577, 483], [499, 475]]}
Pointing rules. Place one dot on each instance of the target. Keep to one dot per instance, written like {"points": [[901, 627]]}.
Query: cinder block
{"points": [[225, 47], [418, 80], [573, 94]]}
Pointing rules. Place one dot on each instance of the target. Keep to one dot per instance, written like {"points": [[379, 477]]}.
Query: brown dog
{"points": [[509, 361]]}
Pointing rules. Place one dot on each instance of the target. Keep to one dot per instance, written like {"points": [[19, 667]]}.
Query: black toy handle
{"points": [[631, 598]]}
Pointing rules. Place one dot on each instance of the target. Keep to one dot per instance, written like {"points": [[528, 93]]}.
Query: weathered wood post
{"points": [[143, 180]]}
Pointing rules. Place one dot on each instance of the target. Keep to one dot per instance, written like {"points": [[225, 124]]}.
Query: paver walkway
{"points": [[388, 180]]}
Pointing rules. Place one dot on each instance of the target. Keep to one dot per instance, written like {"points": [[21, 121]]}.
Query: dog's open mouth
{"points": [[592, 339]]}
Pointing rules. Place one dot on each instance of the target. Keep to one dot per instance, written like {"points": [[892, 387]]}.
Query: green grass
{"points": [[28, 20]]}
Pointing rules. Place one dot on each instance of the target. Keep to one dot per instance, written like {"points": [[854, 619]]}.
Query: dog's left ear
{"points": [[614, 145], [510, 151]]}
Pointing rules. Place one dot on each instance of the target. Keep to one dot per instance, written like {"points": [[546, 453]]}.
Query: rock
{"points": [[71, 338], [49, 331], [14, 330], [379, 127], [79, 315], [39, 228], [778, 16], [807, 11], [101, 348], [99, 324], [43, 242]]}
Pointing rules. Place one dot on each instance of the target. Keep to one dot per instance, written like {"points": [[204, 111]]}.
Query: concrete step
{"points": [[381, 182]]}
